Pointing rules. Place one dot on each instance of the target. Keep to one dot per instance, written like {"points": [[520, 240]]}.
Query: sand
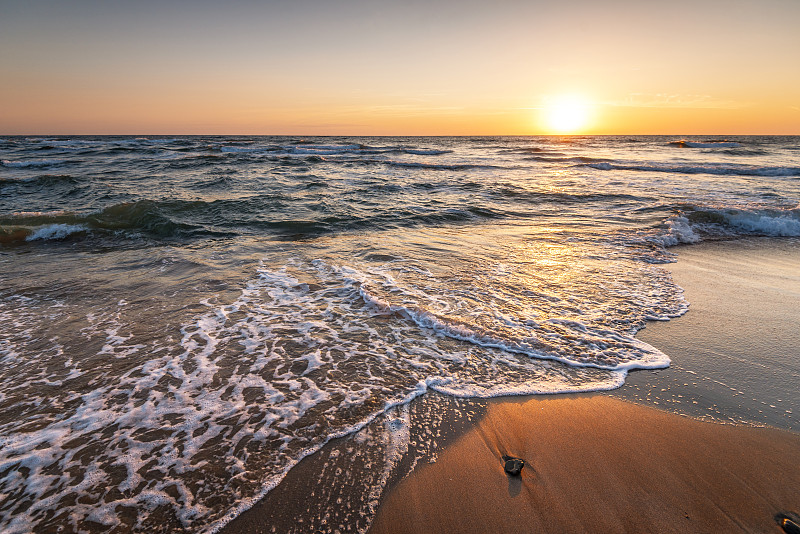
{"points": [[736, 353], [599, 464]]}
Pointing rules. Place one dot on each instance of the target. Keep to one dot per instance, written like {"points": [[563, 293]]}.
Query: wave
{"points": [[421, 152], [31, 163], [694, 224], [158, 140], [179, 219], [766, 222], [49, 231], [708, 168], [309, 229], [308, 147], [199, 160], [215, 181], [567, 159], [437, 166], [43, 179], [187, 219], [579, 345], [529, 150], [539, 197], [114, 141], [744, 151], [292, 149], [243, 149], [331, 150], [707, 144], [142, 217], [346, 147], [55, 232]]}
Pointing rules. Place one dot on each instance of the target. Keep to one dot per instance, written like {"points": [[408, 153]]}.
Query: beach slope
{"points": [[599, 464]]}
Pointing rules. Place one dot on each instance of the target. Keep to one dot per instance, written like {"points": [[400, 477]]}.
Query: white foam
{"points": [[55, 232], [679, 231], [625, 352]]}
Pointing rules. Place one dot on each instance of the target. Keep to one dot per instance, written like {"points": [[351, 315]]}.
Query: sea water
{"points": [[185, 318]]}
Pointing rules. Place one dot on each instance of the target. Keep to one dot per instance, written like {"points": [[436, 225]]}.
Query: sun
{"points": [[567, 114]]}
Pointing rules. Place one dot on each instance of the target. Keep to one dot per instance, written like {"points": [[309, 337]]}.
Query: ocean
{"points": [[185, 318]]}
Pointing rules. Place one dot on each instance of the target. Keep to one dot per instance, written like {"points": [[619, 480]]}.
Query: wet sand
{"points": [[736, 353]]}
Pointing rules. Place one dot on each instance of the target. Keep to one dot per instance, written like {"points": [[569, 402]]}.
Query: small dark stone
{"points": [[789, 522], [513, 466]]}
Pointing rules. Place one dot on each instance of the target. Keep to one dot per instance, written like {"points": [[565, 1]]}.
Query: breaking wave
{"points": [[693, 224]]}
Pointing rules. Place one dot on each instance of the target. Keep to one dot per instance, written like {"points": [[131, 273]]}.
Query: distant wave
{"points": [[531, 150], [198, 162], [539, 197], [311, 149], [744, 151], [191, 153], [423, 152], [708, 168], [44, 179], [707, 144], [568, 159], [324, 150], [32, 163], [302, 229], [244, 149], [438, 166]]}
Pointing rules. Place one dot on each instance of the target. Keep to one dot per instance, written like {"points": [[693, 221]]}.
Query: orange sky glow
{"points": [[400, 68]]}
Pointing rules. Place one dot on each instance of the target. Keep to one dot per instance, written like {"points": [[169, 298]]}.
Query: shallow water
{"points": [[185, 318]]}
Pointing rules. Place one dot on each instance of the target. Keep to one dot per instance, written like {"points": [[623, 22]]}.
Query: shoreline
{"points": [[309, 491], [736, 352]]}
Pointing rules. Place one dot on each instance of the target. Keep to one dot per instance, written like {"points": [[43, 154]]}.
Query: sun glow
{"points": [[567, 114]]}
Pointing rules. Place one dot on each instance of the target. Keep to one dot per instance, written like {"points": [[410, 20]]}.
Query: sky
{"points": [[400, 67]]}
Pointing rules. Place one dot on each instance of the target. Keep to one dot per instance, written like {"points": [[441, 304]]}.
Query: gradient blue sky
{"points": [[412, 67]]}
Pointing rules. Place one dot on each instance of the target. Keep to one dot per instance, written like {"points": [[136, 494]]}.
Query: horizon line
{"points": [[393, 135]]}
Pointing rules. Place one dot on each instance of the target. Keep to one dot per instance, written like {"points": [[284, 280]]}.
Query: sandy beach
{"points": [[598, 464]]}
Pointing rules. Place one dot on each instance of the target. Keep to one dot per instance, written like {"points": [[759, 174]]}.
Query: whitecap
{"points": [[55, 232]]}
